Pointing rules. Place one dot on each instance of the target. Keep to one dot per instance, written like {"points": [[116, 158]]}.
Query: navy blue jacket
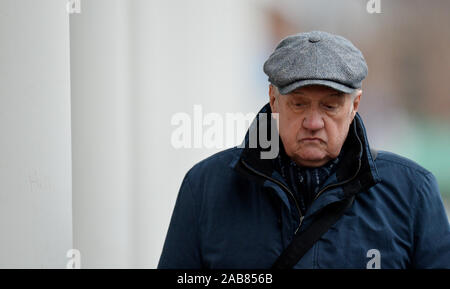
{"points": [[234, 210]]}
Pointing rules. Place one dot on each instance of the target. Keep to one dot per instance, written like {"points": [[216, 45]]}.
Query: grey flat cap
{"points": [[316, 58]]}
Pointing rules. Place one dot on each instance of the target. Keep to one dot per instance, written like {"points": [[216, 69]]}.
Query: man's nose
{"points": [[313, 121]]}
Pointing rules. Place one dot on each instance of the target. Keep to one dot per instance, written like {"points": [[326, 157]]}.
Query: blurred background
{"points": [[86, 102]]}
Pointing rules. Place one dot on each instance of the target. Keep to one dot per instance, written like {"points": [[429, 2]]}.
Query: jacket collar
{"points": [[356, 170]]}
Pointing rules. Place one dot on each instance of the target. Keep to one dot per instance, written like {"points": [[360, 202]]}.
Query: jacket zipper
{"points": [[292, 195], [339, 184], [281, 185]]}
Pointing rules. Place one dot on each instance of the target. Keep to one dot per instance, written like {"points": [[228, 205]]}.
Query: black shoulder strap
{"points": [[305, 240]]}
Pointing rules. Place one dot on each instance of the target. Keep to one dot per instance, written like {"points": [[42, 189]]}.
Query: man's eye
{"points": [[299, 104], [330, 107]]}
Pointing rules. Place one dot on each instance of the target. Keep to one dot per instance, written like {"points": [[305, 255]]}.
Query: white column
{"points": [[102, 189], [35, 140]]}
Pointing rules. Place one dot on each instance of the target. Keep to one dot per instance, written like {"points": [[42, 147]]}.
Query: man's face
{"points": [[313, 122]]}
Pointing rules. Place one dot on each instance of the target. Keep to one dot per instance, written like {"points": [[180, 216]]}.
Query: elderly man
{"points": [[327, 200]]}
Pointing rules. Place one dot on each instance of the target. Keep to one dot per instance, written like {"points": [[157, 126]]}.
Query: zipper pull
{"points": [[299, 225]]}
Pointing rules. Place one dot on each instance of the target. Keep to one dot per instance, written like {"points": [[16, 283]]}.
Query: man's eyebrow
{"points": [[339, 93]]}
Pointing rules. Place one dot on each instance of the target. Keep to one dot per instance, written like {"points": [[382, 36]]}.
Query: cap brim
{"points": [[293, 86]]}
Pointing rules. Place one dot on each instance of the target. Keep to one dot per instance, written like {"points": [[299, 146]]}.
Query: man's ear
{"points": [[355, 104], [273, 99]]}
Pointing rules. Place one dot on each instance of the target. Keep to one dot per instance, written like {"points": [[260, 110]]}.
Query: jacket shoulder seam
{"points": [[417, 168]]}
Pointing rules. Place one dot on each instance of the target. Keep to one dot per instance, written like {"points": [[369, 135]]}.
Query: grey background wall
{"points": [[35, 138]]}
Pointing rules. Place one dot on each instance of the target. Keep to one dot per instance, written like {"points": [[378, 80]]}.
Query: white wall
{"points": [[92, 116], [184, 53], [35, 141], [135, 64]]}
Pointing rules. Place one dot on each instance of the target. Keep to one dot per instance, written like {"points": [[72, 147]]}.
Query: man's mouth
{"points": [[311, 139]]}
